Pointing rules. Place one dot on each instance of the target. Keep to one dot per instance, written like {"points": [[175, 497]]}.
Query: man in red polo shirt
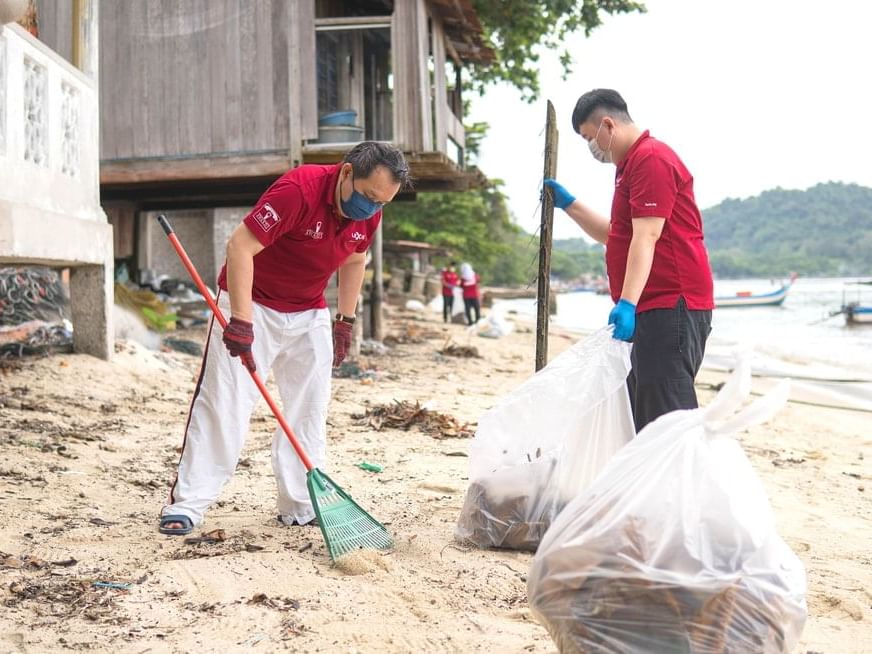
{"points": [[313, 221], [449, 283], [658, 267]]}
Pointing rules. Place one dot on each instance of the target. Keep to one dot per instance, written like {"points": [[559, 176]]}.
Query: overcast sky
{"points": [[752, 94]]}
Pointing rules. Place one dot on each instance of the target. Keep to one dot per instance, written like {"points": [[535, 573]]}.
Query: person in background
{"points": [[469, 280], [449, 283], [656, 260]]}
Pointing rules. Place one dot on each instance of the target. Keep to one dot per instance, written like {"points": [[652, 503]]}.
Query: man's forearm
{"points": [[595, 225], [639, 260], [350, 283], [240, 278]]}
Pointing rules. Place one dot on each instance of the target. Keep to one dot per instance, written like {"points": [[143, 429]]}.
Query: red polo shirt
{"points": [[449, 281], [470, 288], [651, 181], [305, 240]]}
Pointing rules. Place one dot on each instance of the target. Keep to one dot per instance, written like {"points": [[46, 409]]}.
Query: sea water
{"points": [[798, 338]]}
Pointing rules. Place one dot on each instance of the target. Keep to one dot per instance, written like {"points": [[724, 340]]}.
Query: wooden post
{"points": [[377, 296], [545, 233]]}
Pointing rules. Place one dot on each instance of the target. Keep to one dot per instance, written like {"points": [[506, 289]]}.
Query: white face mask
{"points": [[603, 156]]}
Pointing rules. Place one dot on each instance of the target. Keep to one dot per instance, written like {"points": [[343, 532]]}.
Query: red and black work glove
{"points": [[238, 337], [341, 341]]}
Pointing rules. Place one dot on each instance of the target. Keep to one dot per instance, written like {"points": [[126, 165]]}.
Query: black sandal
{"points": [[186, 528]]}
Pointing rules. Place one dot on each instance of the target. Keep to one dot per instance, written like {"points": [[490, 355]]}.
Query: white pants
{"points": [[298, 347]]}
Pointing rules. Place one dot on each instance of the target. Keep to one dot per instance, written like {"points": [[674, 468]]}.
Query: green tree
{"points": [[475, 225], [824, 230], [518, 28]]}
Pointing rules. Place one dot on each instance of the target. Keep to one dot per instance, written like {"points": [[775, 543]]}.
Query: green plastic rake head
{"points": [[345, 526]]}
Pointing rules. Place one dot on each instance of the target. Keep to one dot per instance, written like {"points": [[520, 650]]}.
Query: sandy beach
{"points": [[89, 449]]}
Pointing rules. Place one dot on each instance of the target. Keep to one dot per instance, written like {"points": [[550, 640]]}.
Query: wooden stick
{"points": [[545, 234]]}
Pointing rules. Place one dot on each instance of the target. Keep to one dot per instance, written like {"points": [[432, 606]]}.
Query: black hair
{"points": [[367, 155], [608, 101], [454, 264]]}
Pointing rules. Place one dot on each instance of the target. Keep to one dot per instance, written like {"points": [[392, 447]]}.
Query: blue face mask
{"points": [[358, 206]]}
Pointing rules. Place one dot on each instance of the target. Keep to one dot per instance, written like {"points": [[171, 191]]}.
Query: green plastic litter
{"points": [[370, 467]]}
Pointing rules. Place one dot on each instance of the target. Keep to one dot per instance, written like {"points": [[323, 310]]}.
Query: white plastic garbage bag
{"points": [[435, 305], [493, 326], [545, 442], [674, 547]]}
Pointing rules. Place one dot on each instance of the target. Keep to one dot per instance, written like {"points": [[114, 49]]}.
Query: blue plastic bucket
{"points": [[338, 118]]}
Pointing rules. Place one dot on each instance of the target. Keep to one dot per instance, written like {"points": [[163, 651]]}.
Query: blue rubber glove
{"points": [[623, 317], [562, 197]]}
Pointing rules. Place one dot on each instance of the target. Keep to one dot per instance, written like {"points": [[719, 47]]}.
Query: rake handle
{"points": [[195, 276]]}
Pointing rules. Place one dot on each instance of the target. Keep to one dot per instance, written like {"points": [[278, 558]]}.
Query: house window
{"points": [[355, 82], [35, 113]]}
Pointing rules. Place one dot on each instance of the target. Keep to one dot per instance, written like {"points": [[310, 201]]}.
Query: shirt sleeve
{"points": [[278, 211], [371, 229], [653, 187]]}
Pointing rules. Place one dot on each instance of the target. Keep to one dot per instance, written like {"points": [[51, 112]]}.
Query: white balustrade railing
{"points": [[49, 137]]}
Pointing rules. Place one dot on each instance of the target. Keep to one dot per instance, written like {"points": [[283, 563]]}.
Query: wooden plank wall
{"points": [[55, 20], [440, 87], [198, 77], [412, 115], [421, 56]]}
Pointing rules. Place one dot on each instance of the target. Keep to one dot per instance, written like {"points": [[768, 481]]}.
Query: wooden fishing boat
{"points": [[749, 299], [857, 314]]}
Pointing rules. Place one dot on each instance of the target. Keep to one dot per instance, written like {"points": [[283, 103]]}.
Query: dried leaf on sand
{"points": [[404, 415]]}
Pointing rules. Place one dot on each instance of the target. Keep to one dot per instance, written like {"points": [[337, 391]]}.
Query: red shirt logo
{"points": [[315, 233], [267, 217]]}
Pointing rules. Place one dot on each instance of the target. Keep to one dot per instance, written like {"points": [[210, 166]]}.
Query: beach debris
{"points": [[184, 346], [66, 598], [216, 543], [100, 522], [21, 562], [404, 415], [372, 348], [461, 351], [292, 628], [350, 370], [277, 603], [31, 294], [411, 333], [370, 467], [214, 536], [113, 585]]}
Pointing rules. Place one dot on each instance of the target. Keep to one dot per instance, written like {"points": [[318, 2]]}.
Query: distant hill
{"points": [[824, 230]]}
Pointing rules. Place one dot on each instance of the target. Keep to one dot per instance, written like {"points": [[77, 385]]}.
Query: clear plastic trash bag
{"points": [[674, 547], [494, 326], [545, 442]]}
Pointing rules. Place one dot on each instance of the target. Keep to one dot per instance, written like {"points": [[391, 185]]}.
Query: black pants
{"points": [[447, 306], [668, 347], [470, 305]]}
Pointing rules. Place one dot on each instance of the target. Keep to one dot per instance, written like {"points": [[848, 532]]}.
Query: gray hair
{"points": [[367, 155]]}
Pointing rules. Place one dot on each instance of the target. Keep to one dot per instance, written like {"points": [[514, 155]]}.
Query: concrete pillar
{"points": [[432, 288], [417, 287], [91, 300]]}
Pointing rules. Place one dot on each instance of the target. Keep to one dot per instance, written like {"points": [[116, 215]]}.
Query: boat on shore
{"points": [[857, 303], [857, 314], [748, 299]]}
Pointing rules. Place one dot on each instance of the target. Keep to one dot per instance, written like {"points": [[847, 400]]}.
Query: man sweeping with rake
{"points": [[311, 222]]}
